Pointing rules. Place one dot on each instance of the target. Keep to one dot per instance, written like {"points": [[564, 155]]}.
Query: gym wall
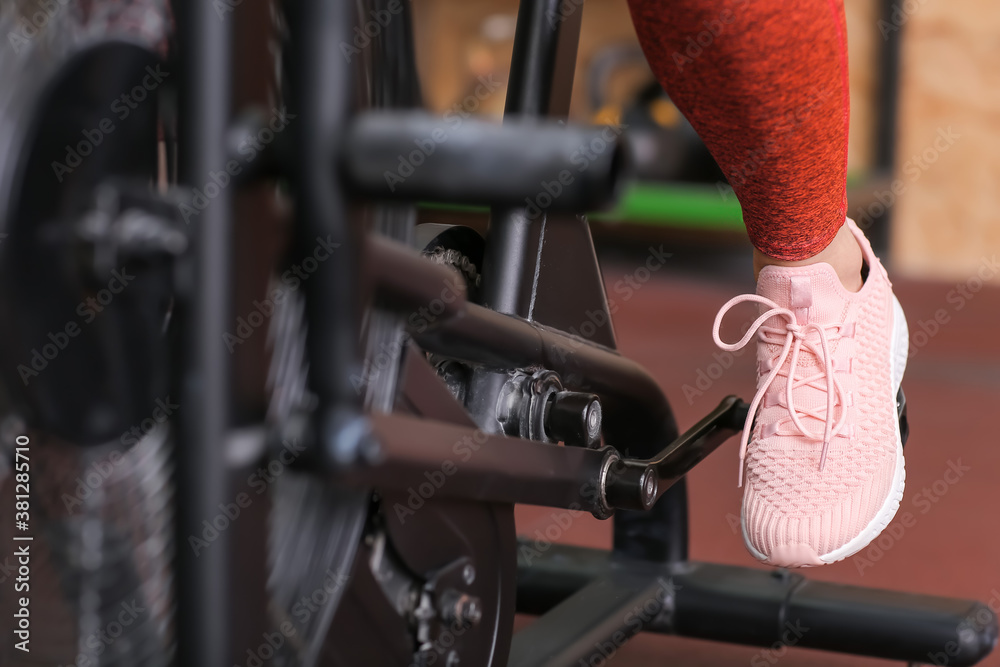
{"points": [[947, 222]]}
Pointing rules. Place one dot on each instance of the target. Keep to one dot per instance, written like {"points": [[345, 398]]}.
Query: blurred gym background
{"points": [[917, 68]]}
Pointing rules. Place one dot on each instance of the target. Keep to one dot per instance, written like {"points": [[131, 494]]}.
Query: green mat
{"points": [[672, 205]]}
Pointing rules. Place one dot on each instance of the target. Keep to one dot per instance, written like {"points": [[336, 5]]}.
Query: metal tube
{"points": [[757, 607], [544, 57], [540, 165], [886, 119], [591, 624], [322, 106], [321, 103], [203, 622], [479, 466], [410, 282]]}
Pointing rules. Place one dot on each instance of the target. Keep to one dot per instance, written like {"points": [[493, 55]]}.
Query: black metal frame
{"points": [[644, 459], [743, 606], [204, 591]]}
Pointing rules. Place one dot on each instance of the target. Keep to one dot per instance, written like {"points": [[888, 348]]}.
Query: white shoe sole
{"points": [[897, 360]]}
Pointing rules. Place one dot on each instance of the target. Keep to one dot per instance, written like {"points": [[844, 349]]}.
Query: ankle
{"points": [[843, 254]]}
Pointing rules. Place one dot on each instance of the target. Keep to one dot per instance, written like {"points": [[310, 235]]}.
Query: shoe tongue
{"points": [[815, 295], [812, 292]]}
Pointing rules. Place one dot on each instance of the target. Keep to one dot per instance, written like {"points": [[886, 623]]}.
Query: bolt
{"points": [[471, 611], [461, 608], [649, 488], [574, 417], [594, 421], [468, 574]]}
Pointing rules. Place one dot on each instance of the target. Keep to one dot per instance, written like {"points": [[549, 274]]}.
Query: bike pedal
{"points": [[904, 424]]}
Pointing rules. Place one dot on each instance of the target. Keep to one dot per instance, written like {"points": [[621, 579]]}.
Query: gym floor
{"points": [[950, 545]]}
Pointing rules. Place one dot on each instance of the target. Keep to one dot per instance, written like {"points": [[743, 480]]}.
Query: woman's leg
{"points": [[764, 82]]}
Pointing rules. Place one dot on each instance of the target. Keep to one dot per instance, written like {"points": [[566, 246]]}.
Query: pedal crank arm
{"points": [[637, 484]]}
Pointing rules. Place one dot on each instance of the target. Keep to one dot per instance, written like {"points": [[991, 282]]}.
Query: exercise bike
{"points": [[309, 412]]}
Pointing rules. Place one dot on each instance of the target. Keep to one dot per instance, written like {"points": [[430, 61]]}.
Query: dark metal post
{"points": [[203, 627], [885, 119], [541, 81], [544, 58], [321, 101]]}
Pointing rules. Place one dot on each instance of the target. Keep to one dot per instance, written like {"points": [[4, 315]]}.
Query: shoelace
{"points": [[794, 336]]}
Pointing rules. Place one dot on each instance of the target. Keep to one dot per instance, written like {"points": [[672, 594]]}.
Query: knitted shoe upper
{"points": [[822, 457]]}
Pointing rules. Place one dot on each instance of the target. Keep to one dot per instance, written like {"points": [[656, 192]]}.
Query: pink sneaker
{"points": [[824, 466]]}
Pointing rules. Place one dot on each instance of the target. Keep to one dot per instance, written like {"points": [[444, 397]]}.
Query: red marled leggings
{"points": [[764, 82]]}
